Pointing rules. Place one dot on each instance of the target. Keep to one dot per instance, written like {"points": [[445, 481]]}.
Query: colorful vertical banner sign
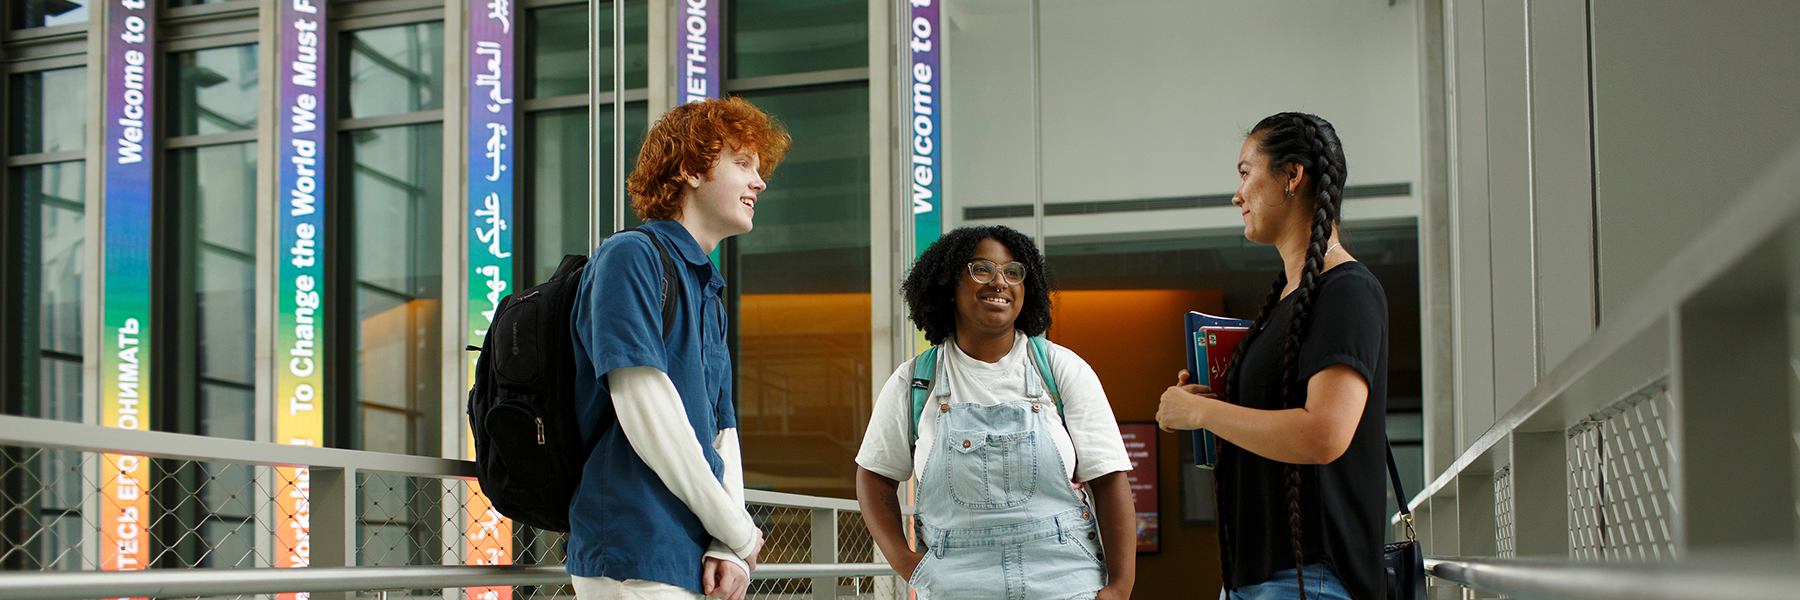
{"points": [[125, 320], [300, 202], [701, 72], [924, 79], [491, 148]]}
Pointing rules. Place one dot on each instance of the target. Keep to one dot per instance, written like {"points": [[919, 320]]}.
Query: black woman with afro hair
{"points": [[1300, 412], [1018, 468]]}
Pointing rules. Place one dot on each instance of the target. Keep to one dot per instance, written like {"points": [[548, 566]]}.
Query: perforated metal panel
{"points": [[1504, 537], [1620, 504]]}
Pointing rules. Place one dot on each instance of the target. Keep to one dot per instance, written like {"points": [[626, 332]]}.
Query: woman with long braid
{"points": [[1300, 413]]}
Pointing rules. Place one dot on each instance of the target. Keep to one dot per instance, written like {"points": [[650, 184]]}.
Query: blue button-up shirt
{"points": [[625, 523]]}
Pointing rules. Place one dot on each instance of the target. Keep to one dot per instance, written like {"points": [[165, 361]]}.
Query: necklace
{"points": [[1328, 250]]}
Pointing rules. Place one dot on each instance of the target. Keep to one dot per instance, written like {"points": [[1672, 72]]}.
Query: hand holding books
{"points": [[1212, 340]]}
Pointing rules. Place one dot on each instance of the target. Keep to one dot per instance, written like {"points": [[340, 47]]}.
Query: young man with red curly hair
{"points": [[660, 510]]}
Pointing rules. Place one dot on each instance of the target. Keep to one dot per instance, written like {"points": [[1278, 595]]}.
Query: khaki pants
{"points": [[607, 588]]}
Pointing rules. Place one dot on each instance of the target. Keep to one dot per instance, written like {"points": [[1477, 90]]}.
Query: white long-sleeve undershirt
{"points": [[655, 422]]}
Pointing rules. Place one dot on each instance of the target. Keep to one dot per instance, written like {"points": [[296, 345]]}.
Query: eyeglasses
{"points": [[983, 272]]}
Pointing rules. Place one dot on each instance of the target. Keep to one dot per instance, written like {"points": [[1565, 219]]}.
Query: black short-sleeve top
{"points": [[1341, 503]]}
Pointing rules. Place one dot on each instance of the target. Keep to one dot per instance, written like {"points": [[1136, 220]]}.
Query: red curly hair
{"points": [[688, 139]]}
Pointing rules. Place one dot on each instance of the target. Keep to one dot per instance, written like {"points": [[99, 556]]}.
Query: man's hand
{"points": [[724, 579], [755, 550]]}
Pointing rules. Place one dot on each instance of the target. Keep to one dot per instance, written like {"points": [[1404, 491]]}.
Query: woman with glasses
{"points": [[1019, 471]]}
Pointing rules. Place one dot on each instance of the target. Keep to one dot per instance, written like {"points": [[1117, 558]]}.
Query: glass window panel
{"points": [[214, 91], [216, 189], [43, 118], [225, 303], [637, 124], [637, 45], [773, 37], [804, 396], [396, 180], [47, 233], [395, 70], [227, 411], [559, 45], [559, 189], [818, 198], [213, 286], [44, 13], [58, 396]]}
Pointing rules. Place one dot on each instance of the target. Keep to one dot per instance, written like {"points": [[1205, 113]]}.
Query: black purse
{"points": [[1404, 561]]}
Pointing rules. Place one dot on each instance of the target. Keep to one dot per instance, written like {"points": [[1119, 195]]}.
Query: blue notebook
{"points": [[1205, 450]]}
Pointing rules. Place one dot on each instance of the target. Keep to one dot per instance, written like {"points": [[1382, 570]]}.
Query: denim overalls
{"points": [[997, 516]]}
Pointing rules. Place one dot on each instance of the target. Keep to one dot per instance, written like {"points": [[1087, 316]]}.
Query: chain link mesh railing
{"points": [[1620, 501], [787, 538], [216, 514], [42, 521], [201, 514]]}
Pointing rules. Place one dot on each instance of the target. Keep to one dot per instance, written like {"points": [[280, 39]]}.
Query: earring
{"points": [[1290, 193]]}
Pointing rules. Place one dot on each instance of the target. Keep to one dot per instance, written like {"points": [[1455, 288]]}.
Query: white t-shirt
{"points": [[1090, 445]]}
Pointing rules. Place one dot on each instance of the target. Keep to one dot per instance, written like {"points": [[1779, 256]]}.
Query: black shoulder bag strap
{"points": [[1399, 490], [1403, 561]]}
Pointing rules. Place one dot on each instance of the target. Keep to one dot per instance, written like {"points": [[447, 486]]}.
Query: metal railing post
{"points": [[332, 526], [824, 551]]}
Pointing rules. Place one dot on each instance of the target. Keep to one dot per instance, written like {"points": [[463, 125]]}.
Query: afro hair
{"points": [[930, 288]]}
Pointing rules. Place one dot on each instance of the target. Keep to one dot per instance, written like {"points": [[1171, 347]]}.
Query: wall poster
{"points": [[1140, 445]]}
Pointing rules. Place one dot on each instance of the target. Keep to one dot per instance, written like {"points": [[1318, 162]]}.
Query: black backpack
{"points": [[528, 448]]}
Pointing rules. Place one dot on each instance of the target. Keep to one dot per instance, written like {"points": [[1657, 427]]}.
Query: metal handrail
{"points": [[1759, 578], [184, 583], [62, 435]]}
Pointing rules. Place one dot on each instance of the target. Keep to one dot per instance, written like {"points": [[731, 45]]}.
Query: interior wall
{"points": [[1588, 142], [1520, 211], [1151, 98], [1692, 102], [1138, 99]]}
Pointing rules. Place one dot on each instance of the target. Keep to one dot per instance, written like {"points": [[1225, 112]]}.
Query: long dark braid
{"points": [[1312, 143]]}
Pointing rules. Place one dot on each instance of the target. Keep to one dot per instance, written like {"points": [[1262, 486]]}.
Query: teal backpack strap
{"points": [[923, 366], [1040, 353]]}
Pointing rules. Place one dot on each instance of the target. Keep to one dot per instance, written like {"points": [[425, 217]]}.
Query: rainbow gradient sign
{"points": [[924, 78], [702, 76], [492, 149], [125, 319], [299, 331]]}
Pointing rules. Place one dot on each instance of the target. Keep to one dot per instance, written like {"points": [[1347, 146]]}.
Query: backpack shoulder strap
{"points": [[1040, 354], [571, 263], [671, 280], [923, 368]]}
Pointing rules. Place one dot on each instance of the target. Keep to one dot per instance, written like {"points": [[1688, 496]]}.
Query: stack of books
{"points": [[1212, 340]]}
